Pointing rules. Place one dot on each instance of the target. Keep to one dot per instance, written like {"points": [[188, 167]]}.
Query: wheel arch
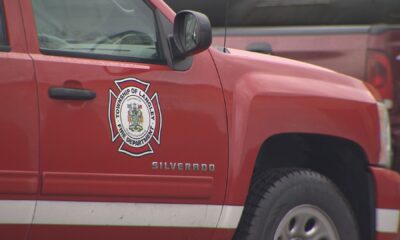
{"points": [[343, 161]]}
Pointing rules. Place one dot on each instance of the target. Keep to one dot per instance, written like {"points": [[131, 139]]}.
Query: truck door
{"points": [[18, 127], [126, 142]]}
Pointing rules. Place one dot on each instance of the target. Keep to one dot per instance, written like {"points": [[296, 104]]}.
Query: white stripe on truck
{"points": [[16, 212], [126, 214], [143, 214], [387, 220]]}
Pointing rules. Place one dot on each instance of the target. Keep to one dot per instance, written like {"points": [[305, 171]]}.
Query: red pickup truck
{"points": [[120, 122]]}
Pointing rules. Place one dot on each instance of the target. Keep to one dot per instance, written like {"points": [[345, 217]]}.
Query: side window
{"points": [[3, 31], [116, 29]]}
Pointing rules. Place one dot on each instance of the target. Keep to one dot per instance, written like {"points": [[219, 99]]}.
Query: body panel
{"points": [[288, 97], [387, 236], [19, 127], [95, 153], [347, 49], [81, 159], [19, 121], [387, 188], [387, 198], [123, 233]]}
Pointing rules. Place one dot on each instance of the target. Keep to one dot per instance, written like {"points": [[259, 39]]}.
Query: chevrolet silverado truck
{"points": [[120, 122], [358, 38]]}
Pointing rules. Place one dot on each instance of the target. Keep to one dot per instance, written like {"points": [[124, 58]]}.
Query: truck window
{"points": [[116, 29], [3, 31]]}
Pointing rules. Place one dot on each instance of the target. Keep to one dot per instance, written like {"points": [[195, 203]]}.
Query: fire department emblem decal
{"points": [[135, 117]]}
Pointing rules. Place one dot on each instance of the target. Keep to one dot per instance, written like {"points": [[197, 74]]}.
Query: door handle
{"points": [[62, 93]]}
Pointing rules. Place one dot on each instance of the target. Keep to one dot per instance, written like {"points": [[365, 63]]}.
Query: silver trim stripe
{"points": [[16, 212], [230, 217], [143, 214], [127, 214], [119, 214], [387, 220]]}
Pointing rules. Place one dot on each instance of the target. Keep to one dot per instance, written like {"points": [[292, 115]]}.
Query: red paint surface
{"points": [[43, 232], [150, 186], [13, 232], [164, 9], [16, 33], [75, 136], [19, 120], [387, 185], [387, 236], [18, 182], [350, 54], [223, 234], [288, 97]]}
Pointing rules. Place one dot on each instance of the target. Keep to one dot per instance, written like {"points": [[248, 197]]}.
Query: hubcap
{"points": [[306, 222]]}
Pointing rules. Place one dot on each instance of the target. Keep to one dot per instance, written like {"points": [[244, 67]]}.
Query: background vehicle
{"points": [[358, 38], [295, 13], [120, 122]]}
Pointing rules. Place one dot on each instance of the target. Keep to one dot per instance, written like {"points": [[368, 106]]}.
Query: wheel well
{"points": [[341, 160]]}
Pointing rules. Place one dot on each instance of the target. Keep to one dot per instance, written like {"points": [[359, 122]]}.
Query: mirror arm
{"points": [[180, 61], [176, 50]]}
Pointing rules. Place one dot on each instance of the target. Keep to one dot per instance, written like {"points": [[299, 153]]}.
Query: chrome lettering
{"points": [[179, 166]]}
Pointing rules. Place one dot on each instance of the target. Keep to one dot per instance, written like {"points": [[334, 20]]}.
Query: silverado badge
{"points": [[135, 117]]}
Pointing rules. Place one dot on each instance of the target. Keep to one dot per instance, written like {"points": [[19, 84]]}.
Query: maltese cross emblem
{"points": [[135, 117]]}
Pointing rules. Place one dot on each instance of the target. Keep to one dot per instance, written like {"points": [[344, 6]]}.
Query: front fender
{"points": [[269, 97]]}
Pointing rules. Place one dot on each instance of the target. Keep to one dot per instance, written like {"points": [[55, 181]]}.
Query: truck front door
{"points": [[130, 149]]}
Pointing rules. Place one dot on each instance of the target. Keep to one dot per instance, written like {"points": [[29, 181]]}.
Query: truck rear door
{"points": [[18, 127], [130, 149]]}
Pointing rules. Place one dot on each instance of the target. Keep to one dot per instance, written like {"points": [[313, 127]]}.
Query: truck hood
{"points": [[286, 76]]}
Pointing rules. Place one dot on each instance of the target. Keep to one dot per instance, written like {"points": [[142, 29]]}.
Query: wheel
{"points": [[296, 204]]}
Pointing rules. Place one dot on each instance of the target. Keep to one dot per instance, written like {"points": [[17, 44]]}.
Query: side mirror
{"points": [[192, 34]]}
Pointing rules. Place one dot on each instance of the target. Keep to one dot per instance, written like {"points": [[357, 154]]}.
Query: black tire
{"points": [[274, 196]]}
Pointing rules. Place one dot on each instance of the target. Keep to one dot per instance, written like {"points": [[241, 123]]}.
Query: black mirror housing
{"points": [[192, 34]]}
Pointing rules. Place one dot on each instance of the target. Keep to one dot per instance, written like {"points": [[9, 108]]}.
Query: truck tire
{"points": [[296, 204]]}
